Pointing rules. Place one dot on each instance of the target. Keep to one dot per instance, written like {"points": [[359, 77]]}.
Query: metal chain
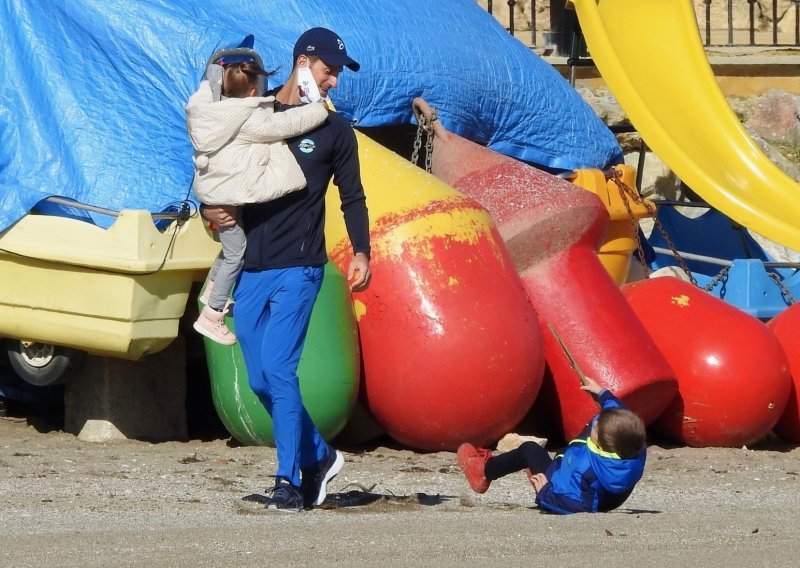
{"points": [[425, 125], [429, 147], [713, 282], [615, 176], [784, 290], [417, 144], [626, 192], [663, 232]]}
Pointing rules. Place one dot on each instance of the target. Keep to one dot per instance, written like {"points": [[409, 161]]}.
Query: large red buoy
{"points": [[786, 327], [450, 344], [552, 230], [733, 375]]}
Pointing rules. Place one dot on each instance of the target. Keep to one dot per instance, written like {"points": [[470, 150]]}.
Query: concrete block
{"points": [[114, 398], [100, 431]]}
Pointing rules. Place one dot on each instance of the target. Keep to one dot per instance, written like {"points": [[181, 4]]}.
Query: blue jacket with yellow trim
{"points": [[585, 479]]}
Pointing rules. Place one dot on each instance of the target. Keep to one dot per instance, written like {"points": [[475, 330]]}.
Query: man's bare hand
{"points": [[359, 274], [222, 216]]}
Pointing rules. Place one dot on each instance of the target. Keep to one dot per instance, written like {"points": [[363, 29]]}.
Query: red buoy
{"points": [[552, 230], [733, 375], [786, 327]]}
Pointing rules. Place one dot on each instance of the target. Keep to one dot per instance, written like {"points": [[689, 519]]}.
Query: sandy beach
{"points": [[64, 502]]}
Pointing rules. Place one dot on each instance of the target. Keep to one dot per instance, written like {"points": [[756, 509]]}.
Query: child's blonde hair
{"points": [[621, 431], [239, 79]]}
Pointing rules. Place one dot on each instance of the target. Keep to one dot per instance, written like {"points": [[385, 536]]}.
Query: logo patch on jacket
{"points": [[306, 146]]}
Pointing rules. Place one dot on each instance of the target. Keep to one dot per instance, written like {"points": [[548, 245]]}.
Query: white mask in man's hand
{"points": [[309, 91]]}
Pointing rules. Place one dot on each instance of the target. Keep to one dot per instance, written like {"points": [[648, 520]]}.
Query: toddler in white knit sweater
{"points": [[240, 157]]}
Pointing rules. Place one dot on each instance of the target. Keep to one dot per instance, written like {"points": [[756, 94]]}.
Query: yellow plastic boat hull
{"points": [[118, 291]]}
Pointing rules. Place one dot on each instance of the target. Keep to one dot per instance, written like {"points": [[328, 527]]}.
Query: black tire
{"points": [[42, 364]]}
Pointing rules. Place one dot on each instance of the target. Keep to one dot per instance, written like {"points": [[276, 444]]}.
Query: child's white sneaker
{"points": [[211, 323]]}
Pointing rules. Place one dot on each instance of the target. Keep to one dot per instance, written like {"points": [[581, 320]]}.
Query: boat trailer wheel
{"points": [[42, 364]]}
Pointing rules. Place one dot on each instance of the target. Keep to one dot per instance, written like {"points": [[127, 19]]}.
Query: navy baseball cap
{"points": [[327, 45]]}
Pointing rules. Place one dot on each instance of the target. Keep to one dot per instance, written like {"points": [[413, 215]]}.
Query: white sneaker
{"points": [[211, 323], [314, 480]]}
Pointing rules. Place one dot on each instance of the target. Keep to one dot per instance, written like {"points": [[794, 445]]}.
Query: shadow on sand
{"points": [[367, 498]]}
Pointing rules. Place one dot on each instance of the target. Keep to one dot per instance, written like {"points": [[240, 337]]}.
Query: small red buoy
{"points": [[733, 375], [786, 327]]}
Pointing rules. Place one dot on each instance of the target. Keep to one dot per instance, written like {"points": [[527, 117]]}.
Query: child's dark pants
{"points": [[529, 455]]}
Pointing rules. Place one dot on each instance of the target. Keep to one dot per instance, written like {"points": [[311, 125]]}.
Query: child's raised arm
{"points": [[591, 386], [286, 124]]}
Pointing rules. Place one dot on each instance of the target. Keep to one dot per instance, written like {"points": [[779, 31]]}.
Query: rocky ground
{"points": [[64, 502]]}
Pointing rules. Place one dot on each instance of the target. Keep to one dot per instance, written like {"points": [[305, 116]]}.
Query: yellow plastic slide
{"points": [[650, 55]]}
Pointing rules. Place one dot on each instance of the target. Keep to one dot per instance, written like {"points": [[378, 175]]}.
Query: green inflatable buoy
{"points": [[360, 429], [329, 371]]}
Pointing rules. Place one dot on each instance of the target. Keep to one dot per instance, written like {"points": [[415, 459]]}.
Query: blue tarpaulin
{"points": [[93, 91]]}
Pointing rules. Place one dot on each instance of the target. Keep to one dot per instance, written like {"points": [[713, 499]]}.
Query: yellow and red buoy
{"points": [[451, 347]]}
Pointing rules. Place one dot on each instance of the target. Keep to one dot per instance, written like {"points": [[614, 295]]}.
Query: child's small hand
{"points": [[591, 386], [222, 216], [537, 480]]}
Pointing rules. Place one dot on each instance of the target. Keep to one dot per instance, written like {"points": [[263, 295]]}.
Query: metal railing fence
{"points": [[774, 23]]}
